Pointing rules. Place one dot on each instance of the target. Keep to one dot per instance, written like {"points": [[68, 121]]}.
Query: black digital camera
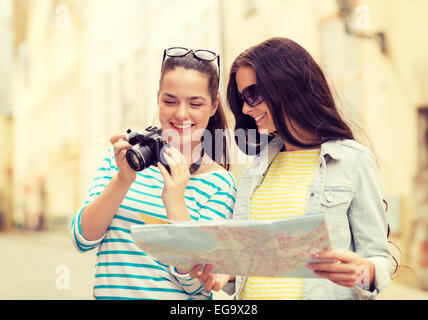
{"points": [[147, 148]]}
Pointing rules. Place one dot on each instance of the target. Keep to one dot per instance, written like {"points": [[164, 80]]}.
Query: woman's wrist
{"points": [[123, 181], [181, 271], [177, 211]]}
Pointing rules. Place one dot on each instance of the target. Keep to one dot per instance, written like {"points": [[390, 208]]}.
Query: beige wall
{"points": [[6, 171], [6, 122], [46, 110]]}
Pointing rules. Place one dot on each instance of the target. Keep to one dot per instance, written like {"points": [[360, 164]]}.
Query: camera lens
{"points": [[134, 160], [139, 157]]}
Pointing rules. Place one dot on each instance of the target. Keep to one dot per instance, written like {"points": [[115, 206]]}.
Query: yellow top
{"points": [[282, 194]]}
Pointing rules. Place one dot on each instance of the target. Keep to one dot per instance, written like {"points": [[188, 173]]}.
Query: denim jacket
{"points": [[347, 188]]}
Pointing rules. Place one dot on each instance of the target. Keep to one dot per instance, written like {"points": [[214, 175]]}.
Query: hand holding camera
{"points": [[149, 148], [139, 149], [121, 147]]}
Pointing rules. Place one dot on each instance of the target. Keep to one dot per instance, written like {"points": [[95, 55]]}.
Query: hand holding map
{"points": [[280, 248]]}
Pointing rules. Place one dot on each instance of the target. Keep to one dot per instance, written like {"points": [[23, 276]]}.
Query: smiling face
{"points": [[246, 76], [185, 107]]}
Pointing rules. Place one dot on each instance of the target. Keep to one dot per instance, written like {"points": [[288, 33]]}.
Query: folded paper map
{"points": [[280, 248]]}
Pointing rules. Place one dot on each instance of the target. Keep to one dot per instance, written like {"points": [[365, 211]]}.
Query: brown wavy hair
{"points": [[294, 87]]}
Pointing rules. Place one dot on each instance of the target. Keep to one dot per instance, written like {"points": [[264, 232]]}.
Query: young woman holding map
{"points": [[315, 165], [189, 106]]}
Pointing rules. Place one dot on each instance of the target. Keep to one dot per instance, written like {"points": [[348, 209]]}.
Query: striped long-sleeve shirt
{"points": [[123, 271]]}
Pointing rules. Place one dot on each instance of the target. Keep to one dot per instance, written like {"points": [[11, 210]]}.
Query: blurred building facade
{"points": [[6, 123], [85, 70], [46, 108]]}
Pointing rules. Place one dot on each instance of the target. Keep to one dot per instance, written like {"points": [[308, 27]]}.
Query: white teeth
{"points": [[182, 126], [260, 117]]}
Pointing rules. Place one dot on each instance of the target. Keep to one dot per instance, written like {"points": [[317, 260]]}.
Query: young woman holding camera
{"points": [[189, 109], [314, 165]]}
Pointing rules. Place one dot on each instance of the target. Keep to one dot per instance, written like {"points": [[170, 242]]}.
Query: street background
{"points": [[75, 72], [43, 265]]}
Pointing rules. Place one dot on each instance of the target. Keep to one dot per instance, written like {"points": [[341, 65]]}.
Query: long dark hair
{"points": [[217, 123], [293, 87]]}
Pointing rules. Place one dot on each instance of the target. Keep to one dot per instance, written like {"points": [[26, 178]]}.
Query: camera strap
{"points": [[195, 165]]}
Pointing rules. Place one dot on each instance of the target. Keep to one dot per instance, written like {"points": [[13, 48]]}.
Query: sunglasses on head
{"points": [[251, 95], [201, 54]]}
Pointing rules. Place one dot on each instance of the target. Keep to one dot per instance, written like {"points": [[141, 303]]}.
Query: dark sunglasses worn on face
{"points": [[251, 95], [201, 54]]}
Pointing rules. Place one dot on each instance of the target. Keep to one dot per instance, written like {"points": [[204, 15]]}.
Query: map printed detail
{"points": [[280, 248]]}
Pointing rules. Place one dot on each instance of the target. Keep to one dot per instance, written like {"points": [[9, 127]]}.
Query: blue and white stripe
{"points": [[123, 271]]}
